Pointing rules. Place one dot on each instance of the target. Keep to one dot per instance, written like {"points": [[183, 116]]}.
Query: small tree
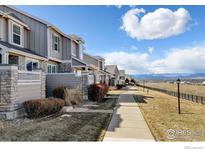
{"points": [[133, 81], [127, 80]]}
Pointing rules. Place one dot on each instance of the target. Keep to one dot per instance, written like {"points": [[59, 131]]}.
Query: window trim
{"points": [[32, 60], [52, 65], [58, 43], [21, 34]]}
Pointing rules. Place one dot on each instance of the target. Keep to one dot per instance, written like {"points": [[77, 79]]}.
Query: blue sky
{"points": [[100, 28]]}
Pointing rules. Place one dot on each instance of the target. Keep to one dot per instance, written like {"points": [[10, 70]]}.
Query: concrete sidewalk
{"points": [[127, 123]]}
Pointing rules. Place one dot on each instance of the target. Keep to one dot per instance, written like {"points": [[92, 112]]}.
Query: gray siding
{"points": [[37, 34], [90, 60], [66, 49], [26, 92], [57, 80]]}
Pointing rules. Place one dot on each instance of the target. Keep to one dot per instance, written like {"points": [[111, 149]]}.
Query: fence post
{"points": [[196, 99], [192, 98], [201, 100]]}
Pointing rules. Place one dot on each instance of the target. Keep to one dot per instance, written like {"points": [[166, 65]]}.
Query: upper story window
{"points": [[16, 34], [56, 42]]}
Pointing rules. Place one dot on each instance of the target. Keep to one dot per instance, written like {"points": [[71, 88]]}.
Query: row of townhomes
{"points": [[36, 57]]}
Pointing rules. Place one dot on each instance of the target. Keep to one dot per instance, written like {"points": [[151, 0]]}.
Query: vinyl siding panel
{"points": [[66, 49], [38, 31], [89, 60], [3, 29], [28, 92]]}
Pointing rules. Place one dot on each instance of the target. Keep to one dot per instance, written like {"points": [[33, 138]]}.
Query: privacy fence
{"points": [[190, 97]]}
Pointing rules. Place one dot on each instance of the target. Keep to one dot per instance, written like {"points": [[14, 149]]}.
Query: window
{"points": [[31, 65], [13, 59], [16, 34], [56, 43], [52, 68]]}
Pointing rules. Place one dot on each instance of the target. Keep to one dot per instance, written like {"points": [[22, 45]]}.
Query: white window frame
{"points": [[32, 60], [58, 43], [52, 65], [21, 34]]}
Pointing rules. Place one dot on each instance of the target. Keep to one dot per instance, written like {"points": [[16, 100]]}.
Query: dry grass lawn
{"points": [[185, 88], [77, 127], [160, 112]]}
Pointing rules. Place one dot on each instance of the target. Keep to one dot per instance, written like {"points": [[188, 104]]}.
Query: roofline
{"points": [[40, 20], [90, 56], [79, 60], [27, 14]]}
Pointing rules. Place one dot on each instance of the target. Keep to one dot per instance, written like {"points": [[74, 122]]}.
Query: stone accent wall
{"points": [[85, 84], [22, 63], [11, 105], [8, 84], [43, 84], [65, 68]]}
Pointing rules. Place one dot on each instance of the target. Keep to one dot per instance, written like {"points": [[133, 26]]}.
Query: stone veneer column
{"points": [[43, 85], [8, 91], [85, 84]]}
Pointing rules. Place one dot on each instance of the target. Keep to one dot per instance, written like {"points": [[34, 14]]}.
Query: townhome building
{"points": [[96, 68], [122, 76], [115, 74], [34, 56]]}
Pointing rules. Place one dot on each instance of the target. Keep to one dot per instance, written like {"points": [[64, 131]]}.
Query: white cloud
{"points": [[151, 50], [131, 62], [186, 60], [118, 6], [162, 23], [134, 47]]}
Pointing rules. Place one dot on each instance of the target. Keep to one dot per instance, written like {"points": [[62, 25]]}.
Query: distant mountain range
{"points": [[170, 76]]}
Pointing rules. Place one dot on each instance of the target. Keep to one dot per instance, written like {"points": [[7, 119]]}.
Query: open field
{"points": [[160, 112], [184, 88]]}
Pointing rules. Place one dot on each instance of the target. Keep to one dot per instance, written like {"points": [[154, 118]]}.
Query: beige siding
{"points": [[27, 92], [3, 29], [90, 60]]}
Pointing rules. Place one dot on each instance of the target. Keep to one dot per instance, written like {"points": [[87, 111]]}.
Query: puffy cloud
{"points": [[131, 62], [162, 23], [186, 60]]}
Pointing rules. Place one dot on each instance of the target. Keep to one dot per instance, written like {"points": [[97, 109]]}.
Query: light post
{"points": [[178, 83], [143, 85]]}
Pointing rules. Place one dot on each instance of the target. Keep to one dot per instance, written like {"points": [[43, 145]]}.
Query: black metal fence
{"points": [[190, 97]]}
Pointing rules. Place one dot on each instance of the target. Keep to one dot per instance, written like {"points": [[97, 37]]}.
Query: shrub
{"points": [[96, 92], [43, 107], [73, 96], [59, 92], [70, 96], [119, 86]]}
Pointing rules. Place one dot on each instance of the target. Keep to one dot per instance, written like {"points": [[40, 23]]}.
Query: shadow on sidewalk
{"points": [[141, 98]]}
